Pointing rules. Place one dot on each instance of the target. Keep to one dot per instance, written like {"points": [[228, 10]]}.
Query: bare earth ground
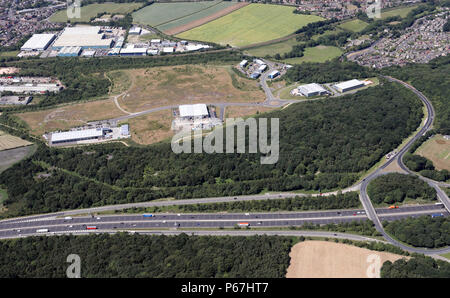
{"points": [[236, 112], [437, 149], [73, 115], [323, 259], [10, 142], [151, 128], [394, 167], [205, 20], [8, 70], [187, 84]]}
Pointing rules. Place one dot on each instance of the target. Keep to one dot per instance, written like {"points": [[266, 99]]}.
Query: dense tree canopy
{"points": [[417, 267], [396, 188]]}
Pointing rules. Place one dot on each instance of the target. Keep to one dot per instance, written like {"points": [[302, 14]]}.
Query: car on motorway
{"points": [[247, 214]]}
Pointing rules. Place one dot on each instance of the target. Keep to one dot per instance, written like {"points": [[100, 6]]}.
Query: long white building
{"points": [[196, 110], [313, 89], [38, 42], [77, 135], [348, 85]]}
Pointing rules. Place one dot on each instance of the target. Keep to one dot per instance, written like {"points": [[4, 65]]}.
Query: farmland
{"points": [[436, 149], [91, 10], [169, 17], [251, 24], [10, 142], [174, 85], [316, 54], [354, 25]]}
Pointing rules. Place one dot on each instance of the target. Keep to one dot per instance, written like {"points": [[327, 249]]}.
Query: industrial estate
{"points": [[94, 99]]}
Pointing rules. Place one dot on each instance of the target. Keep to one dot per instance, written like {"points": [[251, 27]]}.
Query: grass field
{"points": [[151, 128], [10, 142], [316, 54], [174, 85], [68, 116], [284, 46], [10, 157], [446, 255], [251, 24], [436, 149], [9, 54], [91, 10], [166, 16], [354, 25], [401, 12]]}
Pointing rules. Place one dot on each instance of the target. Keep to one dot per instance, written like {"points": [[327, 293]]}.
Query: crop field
{"points": [[323, 259], [354, 25], [73, 115], [10, 142], [437, 149], [91, 10], [173, 18], [316, 54], [401, 12], [187, 84], [251, 24]]}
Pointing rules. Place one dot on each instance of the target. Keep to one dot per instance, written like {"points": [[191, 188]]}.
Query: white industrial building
{"points": [[273, 74], [349, 85], [84, 37], [168, 50], [313, 89], [135, 31], [243, 63], [131, 51], [77, 135], [262, 68], [38, 42], [191, 111]]}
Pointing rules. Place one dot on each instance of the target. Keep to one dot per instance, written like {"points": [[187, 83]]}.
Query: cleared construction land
{"points": [[92, 10], [10, 142], [172, 18], [251, 24], [436, 149], [188, 84], [68, 116], [323, 259], [151, 128]]}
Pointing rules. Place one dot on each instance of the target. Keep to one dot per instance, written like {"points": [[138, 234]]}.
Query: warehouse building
{"points": [[125, 130], [38, 42], [193, 111], [274, 74], [78, 135], [243, 63], [255, 75], [135, 31], [86, 37], [69, 52], [262, 68], [349, 85], [131, 51], [312, 90]]}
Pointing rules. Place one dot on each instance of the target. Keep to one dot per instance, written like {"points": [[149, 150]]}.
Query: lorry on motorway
{"points": [[67, 218], [436, 215], [147, 215], [42, 231], [393, 207], [91, 228], [243, 224]]}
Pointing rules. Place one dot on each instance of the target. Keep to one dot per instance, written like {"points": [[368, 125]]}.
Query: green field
{"points": [[401, 12], [354, 25], [284, 46], [91, 10], [316, 54], [251, 24]]}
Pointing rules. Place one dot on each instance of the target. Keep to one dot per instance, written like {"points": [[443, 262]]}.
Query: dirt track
{"points": [[323, 259], [205, 20]]}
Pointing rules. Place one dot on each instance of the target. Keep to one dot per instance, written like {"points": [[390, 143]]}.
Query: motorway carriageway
{"points": [[208, 220]]}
